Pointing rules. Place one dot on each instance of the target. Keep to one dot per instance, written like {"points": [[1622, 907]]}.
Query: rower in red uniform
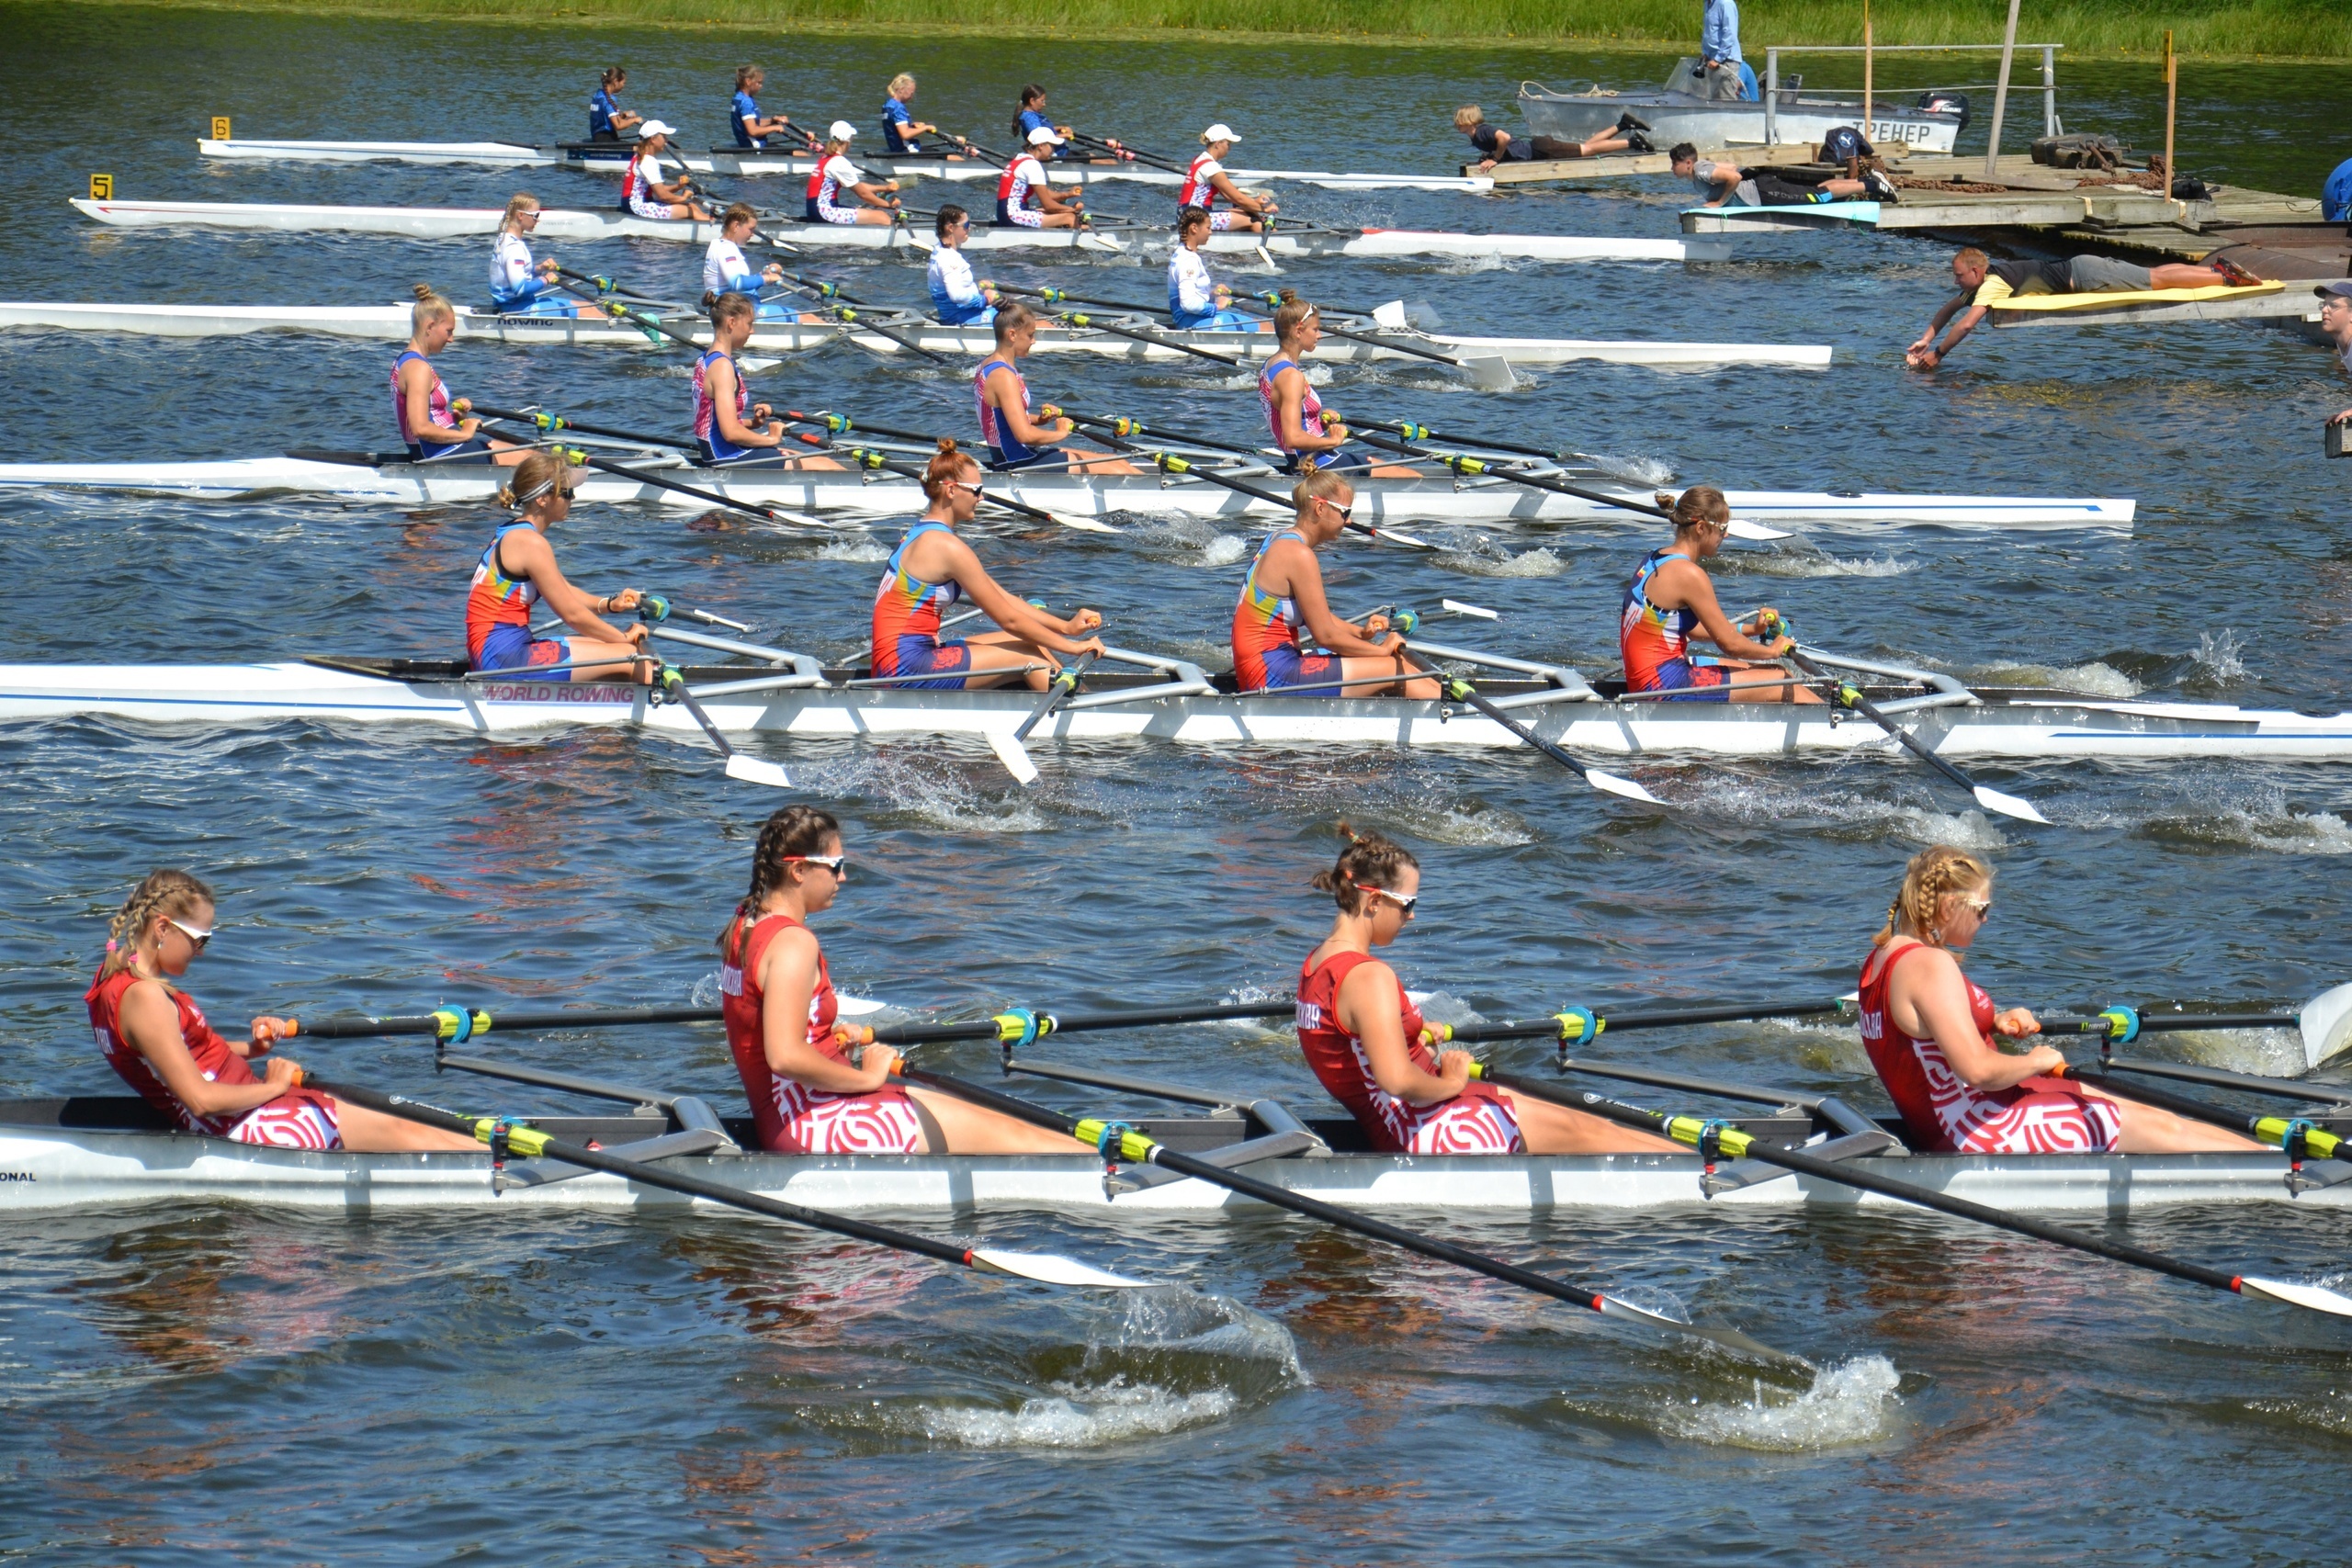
{"points": [[155, 1036], [1671, 601], [932, 569], [1283, 593], [1929, 1031], [1207, 180], [1365, 1039], [783, 1024]]}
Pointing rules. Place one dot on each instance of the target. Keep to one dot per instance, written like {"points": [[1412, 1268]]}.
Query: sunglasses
{"points": [[196, 939], [958, 484], [1404, 901], [1347, 513], [837, 864], [1981, 907]]}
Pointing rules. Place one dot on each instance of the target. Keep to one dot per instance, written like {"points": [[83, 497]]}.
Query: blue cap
{"points": [[2340, 288]]}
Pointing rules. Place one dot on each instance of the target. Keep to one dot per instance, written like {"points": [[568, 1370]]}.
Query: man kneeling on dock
{"points": [[1722, 184], [1983, 281]]}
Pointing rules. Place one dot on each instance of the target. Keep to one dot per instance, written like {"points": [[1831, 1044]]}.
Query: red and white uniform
{"points": [[2040, 1116], [637, 187], [298, 1119], [1475, 1121], [833, 176], [1012, 193], [1196, 191], [792, 1118]]}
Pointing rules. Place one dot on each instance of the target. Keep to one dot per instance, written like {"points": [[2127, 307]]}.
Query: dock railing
{"points": [[2050, 124]]}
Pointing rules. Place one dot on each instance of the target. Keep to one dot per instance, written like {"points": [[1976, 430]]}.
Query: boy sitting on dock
{"points": [[1718, 183], [1983, 281]]}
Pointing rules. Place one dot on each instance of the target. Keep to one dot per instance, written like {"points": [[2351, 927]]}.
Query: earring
{"points": [[1935, 935]]}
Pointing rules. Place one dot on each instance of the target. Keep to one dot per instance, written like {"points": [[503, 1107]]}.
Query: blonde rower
{"points": [[434, 428], [1284, 595], [518, 570], [1671, 603]]}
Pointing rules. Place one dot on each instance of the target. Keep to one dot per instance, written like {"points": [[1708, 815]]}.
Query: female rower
{"points": [[725, 270], [518, 570], [902, 133], [1026, 200], [643, 193], [1195, 300], [751, 128], [1031, 116], [1929, 1031], [1311, 438], [782, 1023], [155, 1036], [1285, 592], [420, 405], [932, 568], [1671, 601], [835, 174], [520, 286], [721, 399], [1365, 1040], [606, 118], [1207, 180], [1496, 145], [1001, 395], [956, 298]]}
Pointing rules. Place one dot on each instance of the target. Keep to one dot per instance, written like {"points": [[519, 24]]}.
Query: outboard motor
{"points": [[1943, 100]]}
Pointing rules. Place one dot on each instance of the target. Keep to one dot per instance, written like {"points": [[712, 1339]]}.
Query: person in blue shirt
{"points": [[606, 118], [2336, 196], [902, 133], [751, 128], [1719, 63]]}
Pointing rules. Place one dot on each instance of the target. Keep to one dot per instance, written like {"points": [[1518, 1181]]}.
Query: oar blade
{"points": [[2327, 1024], [2008, 805], [1739, 528], [1014, 756], [1617, 784], [1081, 525], [1391, 315], [1046, 1269], [1729, 1339], [1490, 373], [751, 770], [2316, 1298], [1480, 610]]}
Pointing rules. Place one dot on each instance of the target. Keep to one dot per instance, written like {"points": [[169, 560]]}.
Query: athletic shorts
{"points": [[1043, 457], [646, 206], [1019, 218], [2104, 275], [1279, 667], [827, 213], [1219, 322], [1345, 458], [921, 656], [774, 311], [1695, 682], [303, 1119], [475, 449], [514, 647]]}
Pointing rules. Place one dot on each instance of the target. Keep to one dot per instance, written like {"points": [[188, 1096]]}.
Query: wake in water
{"points": [[1849, 1402]]}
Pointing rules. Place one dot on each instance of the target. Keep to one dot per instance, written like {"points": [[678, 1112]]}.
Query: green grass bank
{"points": [[2249, 30]]}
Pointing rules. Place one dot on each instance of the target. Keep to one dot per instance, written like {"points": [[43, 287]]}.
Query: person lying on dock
{"points": [[1496, 145], [1983, 281], [2335, 321], [1720, 184]]}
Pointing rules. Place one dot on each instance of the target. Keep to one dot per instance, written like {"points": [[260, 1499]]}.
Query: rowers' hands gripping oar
{"points": [[505, 1136]]}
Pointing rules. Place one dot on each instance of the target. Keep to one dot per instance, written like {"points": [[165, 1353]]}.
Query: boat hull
{"points": [[2024, 727], [1674, 116]]}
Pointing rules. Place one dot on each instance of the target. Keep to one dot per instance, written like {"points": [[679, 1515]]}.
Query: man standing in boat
{"points": [[1983, 281], [1721, 73]]}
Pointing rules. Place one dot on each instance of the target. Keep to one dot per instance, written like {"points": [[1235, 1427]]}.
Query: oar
{"points": [[1462, 464], [1008, 748], [644, 322], [749, 769], [1412, 431], [1079, 319], [2325, 1022], [1713, 1137], [2300, 1138], [553, 423], [848, 317], [1487, 372], [1583, 1025], [1015, 1025], [1119, 1141], [882, 461], [1462, 691], [773, 514], [1125, 153], [531, 1143], [1848, 694]]}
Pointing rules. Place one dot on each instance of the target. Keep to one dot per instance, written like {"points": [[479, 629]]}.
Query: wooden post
{"points": [[2001, 95], [1865, 126], [2172, 99]]}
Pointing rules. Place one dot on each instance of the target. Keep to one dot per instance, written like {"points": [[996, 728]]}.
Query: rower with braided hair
{"points": [[155, 1036], [1366, 1041], [1930, 1032], [809, 1095], [517, 570]]}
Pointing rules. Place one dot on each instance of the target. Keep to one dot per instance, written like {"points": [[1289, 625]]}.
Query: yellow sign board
{"points": [[101, 187], [219, 128]]}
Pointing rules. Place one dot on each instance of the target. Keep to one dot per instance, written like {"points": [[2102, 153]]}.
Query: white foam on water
{"points": [[2269, 1053], [2259, 819], [1807, 563], [1849, 1402], [2096, 678], [1635, 467], [1745, 800], [1491, 561], [1224, 550], [861, 549], [2221, 658], [931, 787], [1076, 1417]]}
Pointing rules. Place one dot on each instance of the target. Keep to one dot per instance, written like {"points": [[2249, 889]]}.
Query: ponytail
{"points": [[1369, 861], [947, 465]]}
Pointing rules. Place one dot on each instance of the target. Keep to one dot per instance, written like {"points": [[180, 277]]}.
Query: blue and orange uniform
{"points": [[1265, 636], [906, 623], [1310, 423], [716, 448], [497, 619], [1656, 642], [1005, 451], [437, 407]]}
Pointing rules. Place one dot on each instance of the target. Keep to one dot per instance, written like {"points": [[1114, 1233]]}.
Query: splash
{"points": [[1851, 1402], [859, 549], [2097, 678], [1785, 563], [1761, 802], [929, 786], [1490, 560], [2219, 660], [2261, 819], [1224, 550], [1072, 1418]]}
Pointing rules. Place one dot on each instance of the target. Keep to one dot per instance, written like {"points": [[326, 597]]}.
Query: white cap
{"points": [[1220, 131], [841, 130], [656, 127], [1044, 136]]}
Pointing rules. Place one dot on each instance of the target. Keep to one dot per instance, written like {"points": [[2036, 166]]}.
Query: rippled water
{"points": [[196, 1382]]}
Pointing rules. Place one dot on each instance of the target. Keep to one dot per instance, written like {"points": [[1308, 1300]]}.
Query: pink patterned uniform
{"points": [[2040, 1116], [1475, 1121], [298, 1119], [792, 1118]]}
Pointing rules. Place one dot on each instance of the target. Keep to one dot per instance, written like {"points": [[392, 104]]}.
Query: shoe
{"points": [[1881, 189], [1636, 143], [1631, 121], [2233, 274]]}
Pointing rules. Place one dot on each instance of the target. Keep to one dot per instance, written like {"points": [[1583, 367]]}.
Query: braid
{"points": [[162, 892], [794, 830], [1370, 860], [1934, 872]]}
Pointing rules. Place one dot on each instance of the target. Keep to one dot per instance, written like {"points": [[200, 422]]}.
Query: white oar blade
{"points": [[751, 365], [1490, 373], [1741, 529], [751, 769], [1612, 784], [1730, 1338], [1392, 316], [1083, 524], [1014, 756], [1049, 1269], [2317, 1298], [2327, 1024], [1459, 608], [2009, 806], [1410, 541]]}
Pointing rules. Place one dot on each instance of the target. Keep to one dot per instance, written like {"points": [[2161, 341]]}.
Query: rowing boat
{"points": [[823, 485], [612, 158], [115, 1151], [392, 324], [1166, 699], [457, 222]]}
